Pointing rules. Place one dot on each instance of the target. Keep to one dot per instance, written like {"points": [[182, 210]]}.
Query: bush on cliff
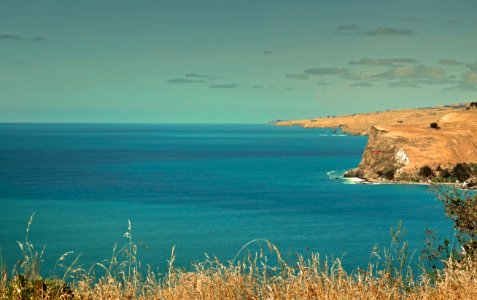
{"points": [[445, 173], [426, 172], [463, 171]]}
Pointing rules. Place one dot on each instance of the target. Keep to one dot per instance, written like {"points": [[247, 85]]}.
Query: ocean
{"points": [[205, 189]]}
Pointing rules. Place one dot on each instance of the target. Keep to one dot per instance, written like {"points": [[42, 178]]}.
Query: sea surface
{"points": [[203, 188]]}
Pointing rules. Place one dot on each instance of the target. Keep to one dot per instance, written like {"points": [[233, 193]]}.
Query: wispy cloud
{"points": [[197, 78], [38, 39], [225, 86], [470, 78], [468, 82], [186, 80], [299, 76], [347, 29], [450, 22], [472, 67], [13, 37], [399, 72], [379, 31], [191, 78], [416, 72], [326, 71], [400, 76], [362, 84], [383, 61], [426, 74], [389, 31], [450, 62], [196, 75], [403, 83]]}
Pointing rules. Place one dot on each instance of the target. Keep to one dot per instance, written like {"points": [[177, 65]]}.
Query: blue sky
{"points": [[231, 61]]}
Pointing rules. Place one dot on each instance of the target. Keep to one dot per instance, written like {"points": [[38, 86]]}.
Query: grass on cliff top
{"points": [[253, 276]]}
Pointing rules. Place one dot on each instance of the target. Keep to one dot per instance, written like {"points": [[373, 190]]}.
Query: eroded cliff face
{"points": [[384, 158]]}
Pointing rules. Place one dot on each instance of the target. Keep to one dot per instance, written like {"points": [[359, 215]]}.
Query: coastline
{"points": [[413, 146]]}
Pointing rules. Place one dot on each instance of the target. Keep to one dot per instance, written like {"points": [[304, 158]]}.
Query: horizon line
{"points": [[127, 123]]}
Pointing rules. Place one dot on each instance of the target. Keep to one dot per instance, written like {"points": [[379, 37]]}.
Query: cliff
{"points": [[409, 145]]}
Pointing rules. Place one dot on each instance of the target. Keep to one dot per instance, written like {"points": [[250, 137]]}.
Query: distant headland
{"points": [[432, 144]]}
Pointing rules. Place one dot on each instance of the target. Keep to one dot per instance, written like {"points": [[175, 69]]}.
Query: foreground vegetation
{"points": [[445, 272]]}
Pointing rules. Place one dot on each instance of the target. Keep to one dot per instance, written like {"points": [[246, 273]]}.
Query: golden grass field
{"points": [[304, 281]]}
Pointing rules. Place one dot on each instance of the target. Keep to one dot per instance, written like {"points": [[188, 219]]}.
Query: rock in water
{"points": [[470, 183], [351, 173]]}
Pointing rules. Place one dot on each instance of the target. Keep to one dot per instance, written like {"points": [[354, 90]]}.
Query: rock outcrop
{"points": [[383, 157], [470, 183]]}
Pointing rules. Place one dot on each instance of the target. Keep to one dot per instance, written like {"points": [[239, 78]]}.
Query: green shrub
{"points": [[445, 173], [21, 287], [463, 171], [461, 208], [426, 172]]}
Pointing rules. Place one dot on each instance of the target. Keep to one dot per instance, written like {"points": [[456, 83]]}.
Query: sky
{"points": [[231, 61]]}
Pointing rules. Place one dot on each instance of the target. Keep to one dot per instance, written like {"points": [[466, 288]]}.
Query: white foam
{"points": [[352, 180], [334, 134], [335, 174]]}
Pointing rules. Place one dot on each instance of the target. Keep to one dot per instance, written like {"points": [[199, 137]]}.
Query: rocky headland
{"points": [[436, 144]]}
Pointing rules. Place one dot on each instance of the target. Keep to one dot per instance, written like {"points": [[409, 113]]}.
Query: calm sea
{"points": [[203, 188]]}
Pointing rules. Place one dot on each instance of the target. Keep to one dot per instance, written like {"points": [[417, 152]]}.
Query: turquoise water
{"points": [[203, 188]]}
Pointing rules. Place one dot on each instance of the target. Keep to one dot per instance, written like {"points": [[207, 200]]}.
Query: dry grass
{"points": [[309, 279], [388, 276]]}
